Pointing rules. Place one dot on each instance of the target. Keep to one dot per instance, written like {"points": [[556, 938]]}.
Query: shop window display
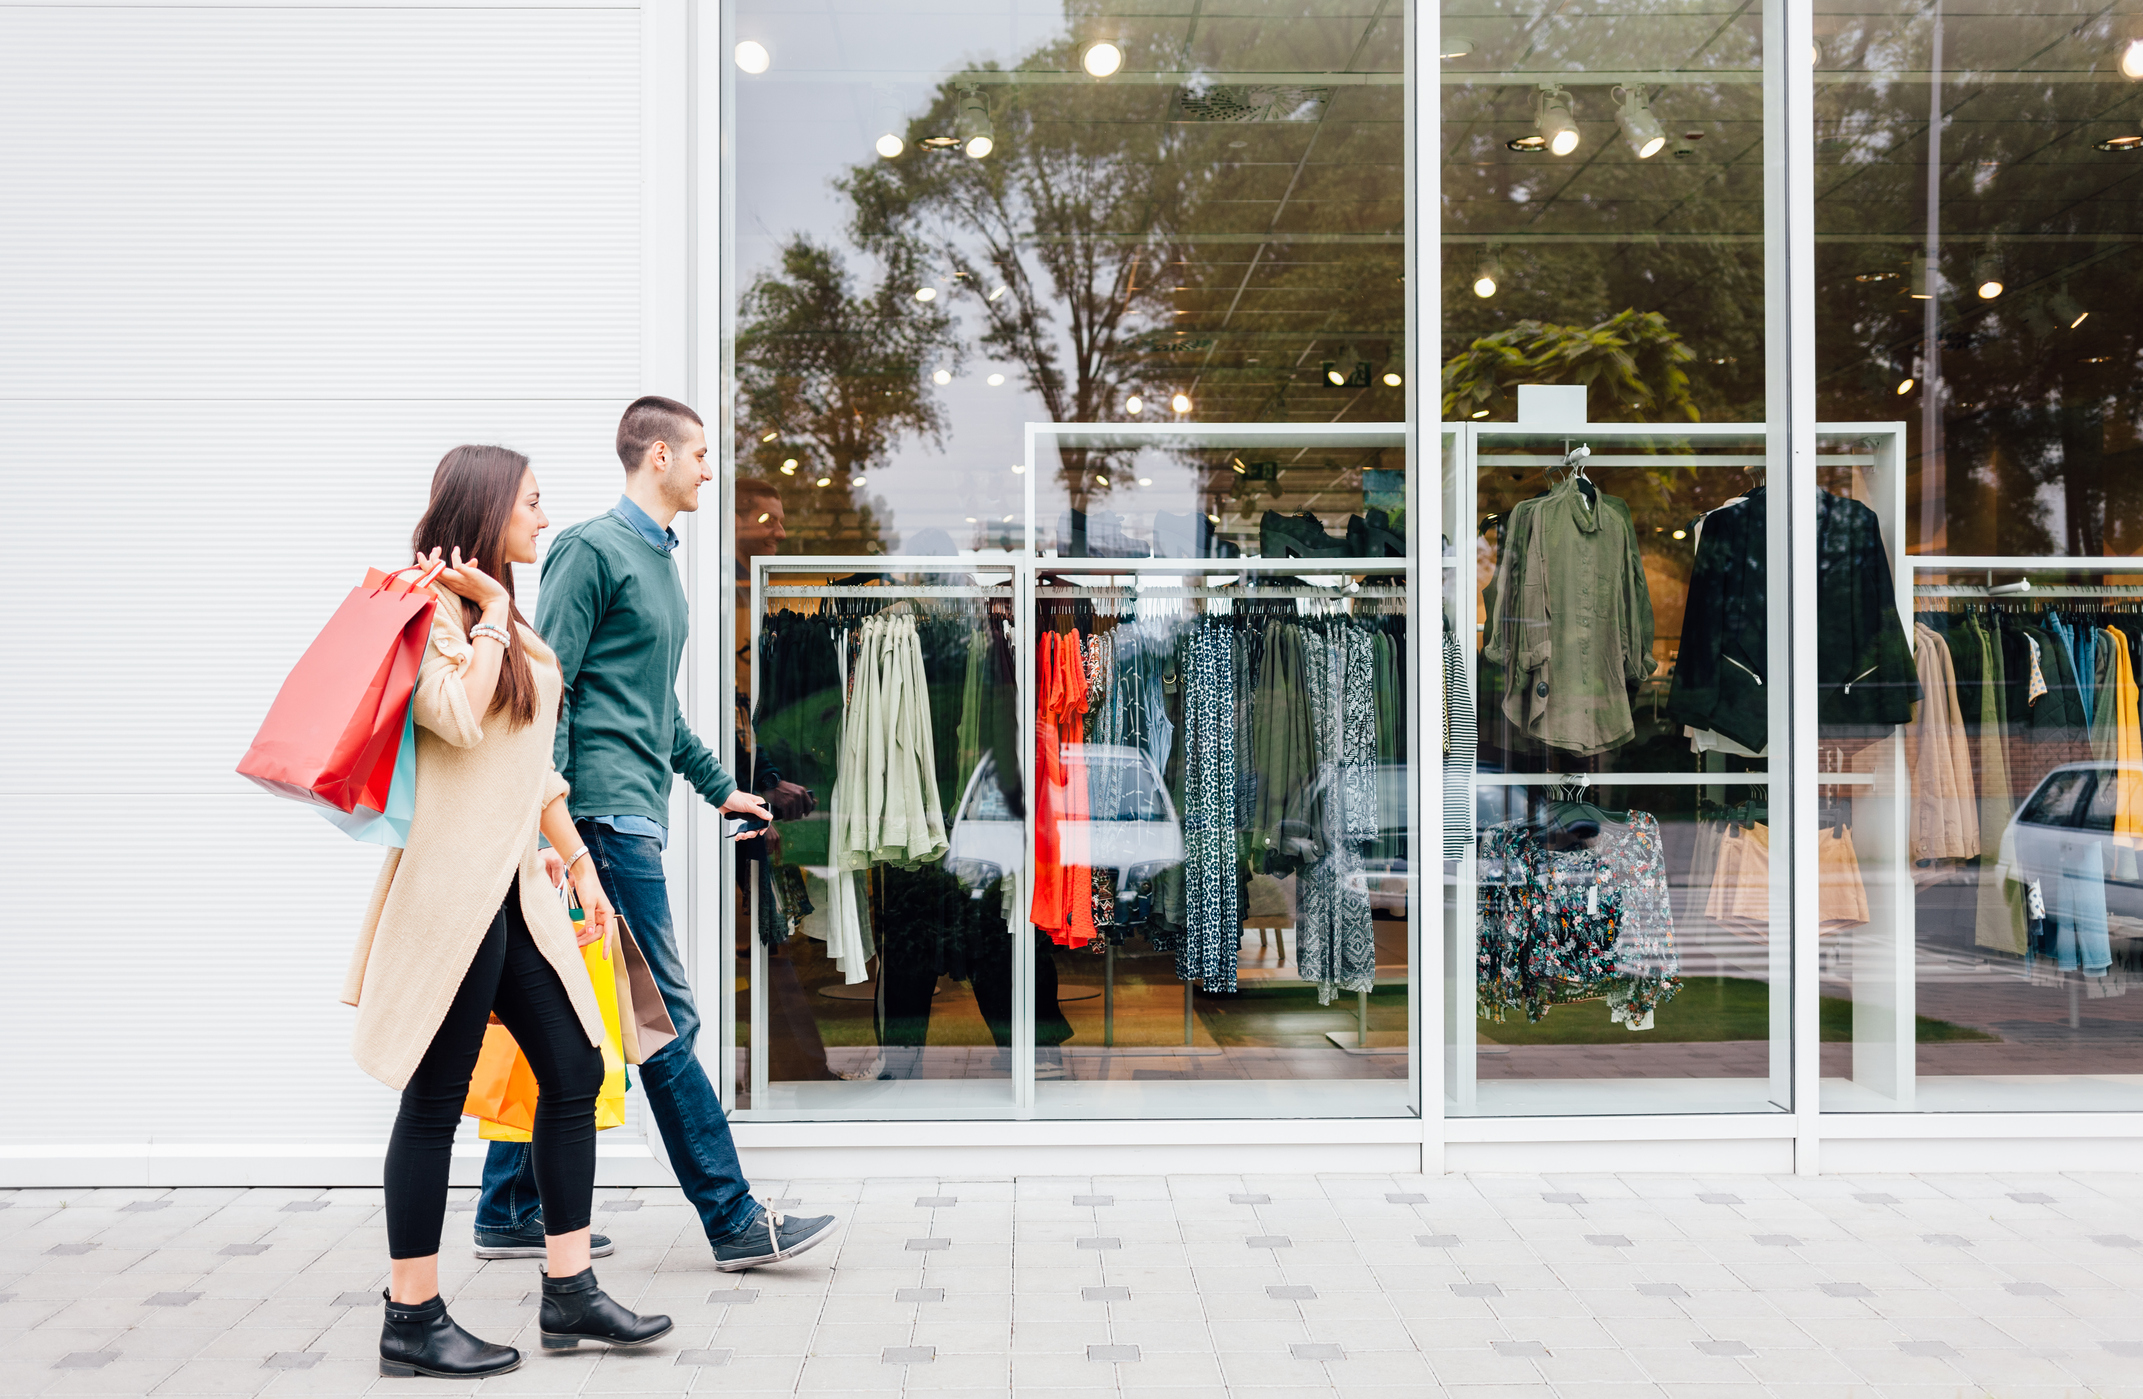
{"points": [[1976, 233], [1075, 562]]}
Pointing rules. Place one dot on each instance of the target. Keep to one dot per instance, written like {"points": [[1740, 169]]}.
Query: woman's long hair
{"points": [[473, 496]]}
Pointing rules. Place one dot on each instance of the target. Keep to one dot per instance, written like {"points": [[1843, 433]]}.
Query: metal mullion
{"points": [[1789, 109]]}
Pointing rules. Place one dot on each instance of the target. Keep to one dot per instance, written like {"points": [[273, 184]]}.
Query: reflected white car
{"points": [[1137, 837]]}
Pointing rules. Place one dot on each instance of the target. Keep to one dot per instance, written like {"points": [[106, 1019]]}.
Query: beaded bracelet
{"points": [[486, 629]]}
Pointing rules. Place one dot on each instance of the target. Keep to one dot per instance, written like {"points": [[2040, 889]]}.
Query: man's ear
{"points": [[658, 456]]}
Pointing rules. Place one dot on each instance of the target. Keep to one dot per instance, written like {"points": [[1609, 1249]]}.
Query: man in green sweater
{"points": [[613, 607]]}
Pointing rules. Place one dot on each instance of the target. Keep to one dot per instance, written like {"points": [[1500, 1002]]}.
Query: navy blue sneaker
{"points": [[769, 1238], [527, 1242]]}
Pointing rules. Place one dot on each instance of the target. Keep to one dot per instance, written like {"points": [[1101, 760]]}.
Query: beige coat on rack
{"points": [[1945, 810]]}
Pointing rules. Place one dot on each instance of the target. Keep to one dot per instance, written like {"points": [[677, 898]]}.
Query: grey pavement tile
{"points": [[1518, 1350], [1715, 1198], [908, 1355], [243, 1250], [1562, 1197], [1269, 1241], [1250, 1199], [1406, 1198], [294, 1359], [1099, 1242], [1317, 1350], [1476, 1289], [936, 1202], [928, 1245], [1093, 1200], [1724, 1347], [702, 1356], [2031, 1197], [85, 1359], [1845, 1289], [1608, 1240], [172, 1299], [1291, 1292], [733, 1296], [1661, 1289], [1105, 1294], [920, 1294], [1112, 1354]]}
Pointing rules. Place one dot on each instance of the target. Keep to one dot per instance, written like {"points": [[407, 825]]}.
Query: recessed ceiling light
{"points": [[926, 293], [1526, 144], [855, 480], [770, 435], [788, 468], [1145, 480], [1481, 413], [825, 481], [1102, 58], [1134, 405], [1392, 379], [1455, 46], [940, 143], [890, 145], [2119, 143], [994, 380], [942, 376], [752, 56], [1181, 403], [2132, 59]]}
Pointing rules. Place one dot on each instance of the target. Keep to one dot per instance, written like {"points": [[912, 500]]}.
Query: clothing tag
{"points": [[1592, 900]]}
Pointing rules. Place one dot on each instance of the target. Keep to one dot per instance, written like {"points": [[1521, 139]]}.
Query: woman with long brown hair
{"points": [[463, 925]]}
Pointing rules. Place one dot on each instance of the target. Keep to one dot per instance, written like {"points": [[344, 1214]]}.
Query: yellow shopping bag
{"points": [[502, 1091]]}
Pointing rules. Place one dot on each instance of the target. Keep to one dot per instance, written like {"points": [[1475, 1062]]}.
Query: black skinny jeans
{"points": [[508, 975]]}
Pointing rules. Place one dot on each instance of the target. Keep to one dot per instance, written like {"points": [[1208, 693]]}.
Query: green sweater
{"points": [[613, 608]]}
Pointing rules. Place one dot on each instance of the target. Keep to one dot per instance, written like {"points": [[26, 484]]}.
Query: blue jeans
{"points": [[679, 1096]]}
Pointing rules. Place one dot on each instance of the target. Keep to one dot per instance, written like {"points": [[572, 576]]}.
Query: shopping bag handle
{"points": [[427, 575]]}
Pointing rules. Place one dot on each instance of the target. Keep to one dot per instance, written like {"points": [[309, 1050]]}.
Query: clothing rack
{"points": [[1653, 779], [1996, 593], [1249, 594], [893, 593]]}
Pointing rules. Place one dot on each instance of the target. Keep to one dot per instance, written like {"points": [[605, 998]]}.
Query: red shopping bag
{"points": [[335, 729]]}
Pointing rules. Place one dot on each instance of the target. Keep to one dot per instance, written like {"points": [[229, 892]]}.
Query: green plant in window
{"points": [[1632, 362]]}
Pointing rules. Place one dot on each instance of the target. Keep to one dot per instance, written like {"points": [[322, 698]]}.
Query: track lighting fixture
{"points": [[2132, 59], [977, 136], [1639, 127], [1987, 274], [1102, 58], [1455, 46], [2119, 143], [1923, 278], [1344, 370], [1487, 273], [1552, 118], [752, 56]]}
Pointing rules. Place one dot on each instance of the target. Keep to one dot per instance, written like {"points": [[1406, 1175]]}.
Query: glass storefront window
{"points": [[1976, 235], [1617, 927], [1056, 365]]}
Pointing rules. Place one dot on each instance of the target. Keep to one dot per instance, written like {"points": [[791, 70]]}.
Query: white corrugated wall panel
{"points": [[263, 266]]}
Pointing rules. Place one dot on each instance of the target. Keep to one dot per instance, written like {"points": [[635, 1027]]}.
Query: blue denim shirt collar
{"points": [[660, 536]]}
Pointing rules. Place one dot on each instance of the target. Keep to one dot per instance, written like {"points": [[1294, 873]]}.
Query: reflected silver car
{"points": [[1138, 835]]}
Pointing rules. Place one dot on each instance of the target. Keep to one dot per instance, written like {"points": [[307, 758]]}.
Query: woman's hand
{"points": [[594, 903], [465, 579]]}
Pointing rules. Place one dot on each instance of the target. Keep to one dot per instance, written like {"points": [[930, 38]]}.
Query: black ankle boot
{"points": [[576, 1310], [421, 1339]]}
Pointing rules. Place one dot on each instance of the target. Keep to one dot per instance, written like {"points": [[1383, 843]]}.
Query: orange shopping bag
{"points": [[502, 1091]]}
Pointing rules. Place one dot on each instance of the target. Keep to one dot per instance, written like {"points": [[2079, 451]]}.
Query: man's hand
{"points": [[743, 803], [791, 800]]}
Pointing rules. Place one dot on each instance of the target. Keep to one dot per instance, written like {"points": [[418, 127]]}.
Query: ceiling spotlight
{"points": [[1552, 115], [1001, 290], [1923, 278], [1101, 58], [1487, 273], [1134, 405], [1904, 386], [994, 380], [1145, 480], [1019, 468], [2066, 308], [926, 293], [1639, 127], [977, 137], [1101, 478], [2132, 59], [752, 56], [1392, 379], [942, 376], [1480, 412], [1339, 372], [1181, 403], [1456, 46], [855, 480], [825, 481], [770, 434], [1987, 274], [2119, 143], [890, 145], [788, 468]]}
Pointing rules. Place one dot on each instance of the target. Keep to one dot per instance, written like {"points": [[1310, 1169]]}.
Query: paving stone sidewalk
{"points": [[1584, 1287]]}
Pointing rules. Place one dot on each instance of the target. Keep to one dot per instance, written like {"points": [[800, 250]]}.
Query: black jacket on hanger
{"points": [[1864, 669]]}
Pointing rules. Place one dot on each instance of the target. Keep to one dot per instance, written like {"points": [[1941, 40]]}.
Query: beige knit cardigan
{"points": [[479, 793]]}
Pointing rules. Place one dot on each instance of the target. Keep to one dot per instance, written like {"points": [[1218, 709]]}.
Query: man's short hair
{"points": [[650, 420], [750, 489]]}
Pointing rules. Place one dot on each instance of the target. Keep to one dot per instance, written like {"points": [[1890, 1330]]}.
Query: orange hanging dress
{"points": [[1063, 904]]}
